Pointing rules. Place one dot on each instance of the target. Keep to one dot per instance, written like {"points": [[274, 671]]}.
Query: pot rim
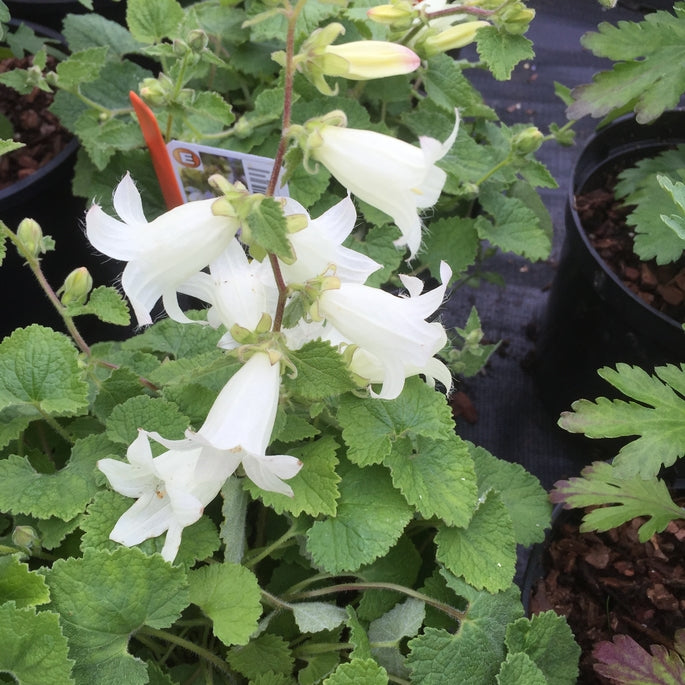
{"points": [[644, 138]]}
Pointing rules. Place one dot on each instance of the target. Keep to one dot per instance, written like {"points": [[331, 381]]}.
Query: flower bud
{"points": [[197, 40], [452, 38], [399, 16], [77, 285], [25, 537], [516, 18], [180, 47], [526, 141], [31, 236], [153, 91]]}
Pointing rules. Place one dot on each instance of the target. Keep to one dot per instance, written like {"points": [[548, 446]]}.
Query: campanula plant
{"points": [[269, 488]]}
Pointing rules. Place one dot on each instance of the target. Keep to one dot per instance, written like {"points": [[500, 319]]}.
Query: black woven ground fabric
{"points": [[512, 421]]}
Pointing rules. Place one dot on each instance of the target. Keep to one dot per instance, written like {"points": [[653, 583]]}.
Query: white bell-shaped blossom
{"points": [[241, 421], [238, 289], [319, 246], [162, 253], [392, 175], [171, 490], [392, 331]]}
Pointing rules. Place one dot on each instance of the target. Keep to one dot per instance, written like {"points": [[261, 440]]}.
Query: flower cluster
{"points": [[206, 249]]}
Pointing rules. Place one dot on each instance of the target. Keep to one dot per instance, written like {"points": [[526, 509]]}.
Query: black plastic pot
{"points": [[46, 196], [592, 319]]}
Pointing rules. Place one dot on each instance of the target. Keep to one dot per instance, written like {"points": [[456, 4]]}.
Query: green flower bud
{"points": [[454, 37], [399, 15], [153, 91], [198, 40], [30, 235], [526, 141], [180, 47], [77, 285], [516, 18], [25, 537]]}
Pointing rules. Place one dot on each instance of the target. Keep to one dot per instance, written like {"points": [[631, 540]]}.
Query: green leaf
{"points": [[63, 494], [659, 420], [267, 224], [502, 51], [358, 672], [313, 617], [40, 374], [474, 652], [453, 240], [403, 620], [105, 303], [140, 590], [209, 113], [602, 484], [265, 653], [370, 426], [315, 487], [515, 227], [34, 650], [485, 552], [83, 31], [8, 146], [175, 339], [548, 641], [358, 636], [101, 139], [523, 496], [370, 518], [151, 20], [148, 413], [229, 594], [81, 67], [448, 88], [436, 477], [520, 669], [115, 390], [646, 75], [378, 244], [321, 372], [19, 585]]}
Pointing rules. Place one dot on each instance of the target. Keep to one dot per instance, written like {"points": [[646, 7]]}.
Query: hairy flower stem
{"points": [[351, 587], [289, 77], [201, 652], [34, 264]]}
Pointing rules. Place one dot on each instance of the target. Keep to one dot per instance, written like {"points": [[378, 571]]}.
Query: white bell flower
{"points": [[241, 421], [392, 332], [319, 245], [162, 253], [171, 490], [238, 290], [392, 175]]}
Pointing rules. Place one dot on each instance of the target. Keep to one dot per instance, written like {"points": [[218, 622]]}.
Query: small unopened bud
{"points": [[526, 141], [30, 235], [399, 16], [153, 91], [180, 47], [516, 18], [25, 537], [77, 285], [197, 40], [454, 37]]}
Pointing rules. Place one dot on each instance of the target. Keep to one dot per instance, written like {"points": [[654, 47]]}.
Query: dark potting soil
{"points": [[604, 219], [33, 125], [611, 583]]}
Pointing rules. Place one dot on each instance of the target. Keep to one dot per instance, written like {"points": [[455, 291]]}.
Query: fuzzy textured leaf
{"points": [[436, 477], [659, 420], [371, 426], [140, 590], [321, 372], [19, 585], [502, 51], [229, 594], [151, 20], [34, 650], [313, 617], [484, 553], [370, 518], [358, 672]]}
